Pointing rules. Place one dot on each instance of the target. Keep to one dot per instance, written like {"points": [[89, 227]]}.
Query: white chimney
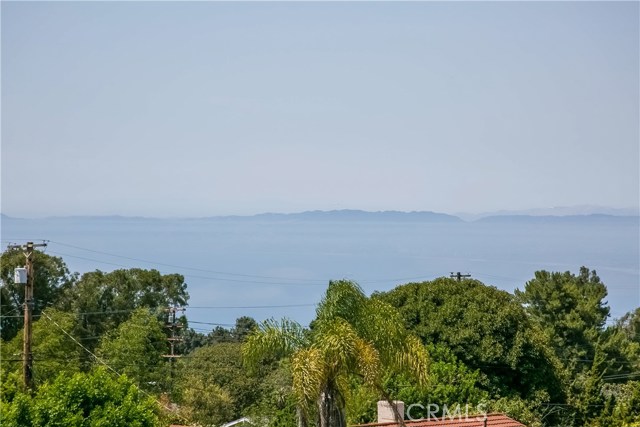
{"points": [[385, 411]]}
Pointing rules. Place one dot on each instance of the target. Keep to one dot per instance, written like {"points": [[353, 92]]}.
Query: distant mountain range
{"points": [[355, 215], [578, 213], [563, 211]]}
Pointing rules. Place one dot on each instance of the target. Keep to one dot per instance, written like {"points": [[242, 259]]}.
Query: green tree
{"points": [[215, 385], [53, 350], [623, 354], [486, 329], [572, 311], [276, 406], [135, 348], [93, 399], [193, 340], [244, 326], [119, 293], [630, 325], [622, 407], [51, 279], [207, 403], [352, 337], [450, 383], [586, 400]]}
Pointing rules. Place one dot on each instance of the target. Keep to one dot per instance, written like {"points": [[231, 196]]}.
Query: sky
{"points": [[207, 108]]}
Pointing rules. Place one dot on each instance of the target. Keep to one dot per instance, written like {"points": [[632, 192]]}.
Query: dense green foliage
{"points": [[192, 340], [118, 293], [544, 355], [135, 348], [483, 327], [215, 386], [571, 311], [53, 351], [93, 399]]}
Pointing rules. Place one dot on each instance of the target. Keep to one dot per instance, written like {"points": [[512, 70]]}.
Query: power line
{"points": [[321, 282], [621, 376], [98, 359], [310, 282], [225, 273], [252, 306], [219, 307], [80, 344], [296, 281], [218, 279], [210, 323]]}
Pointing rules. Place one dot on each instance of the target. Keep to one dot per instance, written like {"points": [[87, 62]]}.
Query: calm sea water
{"points": [[256, 262]]}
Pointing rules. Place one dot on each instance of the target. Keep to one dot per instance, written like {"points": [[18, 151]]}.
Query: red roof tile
{"points": [[493, 420]]}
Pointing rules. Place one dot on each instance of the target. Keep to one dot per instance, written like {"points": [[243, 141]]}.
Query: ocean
{"points": [[279, 266]]}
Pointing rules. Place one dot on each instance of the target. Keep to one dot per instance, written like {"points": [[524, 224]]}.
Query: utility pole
{"points": [[173, 326], [27, 357], [459, 276]]}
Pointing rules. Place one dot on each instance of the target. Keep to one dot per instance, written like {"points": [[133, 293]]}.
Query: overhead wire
{"points": [[278, 280], [225, 273], [109, 312], [298, 282], [318, 282], [101, 361], [218, 279], [227, 279]]}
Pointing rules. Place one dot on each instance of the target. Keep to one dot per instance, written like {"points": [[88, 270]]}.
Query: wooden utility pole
{"points": [[27, 357], [459, 276], [173, 325]]}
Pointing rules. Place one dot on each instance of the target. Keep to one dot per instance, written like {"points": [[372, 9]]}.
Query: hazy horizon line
{"points": [[560, 211]]}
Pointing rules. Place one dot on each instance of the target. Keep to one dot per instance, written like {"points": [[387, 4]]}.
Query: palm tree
{"points": [[351, 335]]}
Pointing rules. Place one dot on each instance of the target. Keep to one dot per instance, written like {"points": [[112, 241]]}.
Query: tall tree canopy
{"points": [[118, 293], [630, 325], [484, 327], [570, 308]]}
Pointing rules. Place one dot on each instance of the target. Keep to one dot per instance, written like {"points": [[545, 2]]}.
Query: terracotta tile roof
{"points": [[493, 420]]}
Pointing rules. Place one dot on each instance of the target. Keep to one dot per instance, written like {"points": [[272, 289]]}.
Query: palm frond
{"points": [[273, 339], [308, 371], [343, 299], [382, 325], [337, 340], [413, 359], [368, 361]]}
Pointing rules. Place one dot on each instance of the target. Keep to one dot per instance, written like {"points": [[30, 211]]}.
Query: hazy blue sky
{"points": [[183, 109]]}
